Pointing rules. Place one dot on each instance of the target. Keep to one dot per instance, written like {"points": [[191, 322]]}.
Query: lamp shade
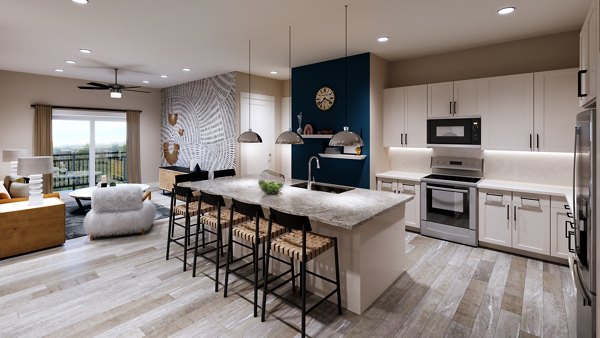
{"points": [[35, 165], [9, 155], [289, 137], [346, 138], [249, 137]]}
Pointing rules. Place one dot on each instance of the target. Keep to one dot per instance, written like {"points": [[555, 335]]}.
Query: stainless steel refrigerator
{"points": [[584, 227]]}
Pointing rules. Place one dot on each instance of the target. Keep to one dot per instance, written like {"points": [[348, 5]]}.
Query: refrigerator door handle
{"points": [[575, 171], [587, 299]]}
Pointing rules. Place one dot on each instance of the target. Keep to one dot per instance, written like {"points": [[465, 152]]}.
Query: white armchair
{"points": [[119, 210]]}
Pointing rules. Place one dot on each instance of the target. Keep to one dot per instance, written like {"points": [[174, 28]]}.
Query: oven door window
{"points": [[448, 205]]}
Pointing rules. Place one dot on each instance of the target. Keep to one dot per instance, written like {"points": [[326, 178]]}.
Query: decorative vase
{"points": [[270, 182], [299, 130]]}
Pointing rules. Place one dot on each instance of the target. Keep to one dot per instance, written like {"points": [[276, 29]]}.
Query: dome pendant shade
{"points": [[289, 137], [249, 137], [346, 138]]}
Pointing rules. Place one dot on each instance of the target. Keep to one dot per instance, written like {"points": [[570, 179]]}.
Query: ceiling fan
{"points": [[115, 88]]}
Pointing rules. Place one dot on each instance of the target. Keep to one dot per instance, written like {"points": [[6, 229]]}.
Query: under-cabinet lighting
{"points": [[383, 39], [506, 10]]}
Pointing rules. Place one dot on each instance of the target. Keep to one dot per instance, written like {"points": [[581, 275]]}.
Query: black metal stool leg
{"points": [[265, 282], [185, 242], [337, 275], [229, 255], [255, 246], [195, 253], [303, 291], [293, 277], [219, 248]]}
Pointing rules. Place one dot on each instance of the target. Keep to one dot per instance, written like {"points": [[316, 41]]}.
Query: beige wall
{"points": [[264, 86], [548, 52], [18, 91], [379, 78]]}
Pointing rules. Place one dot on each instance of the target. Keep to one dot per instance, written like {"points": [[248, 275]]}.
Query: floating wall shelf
{"points": [[344, 156], [317, 136]]}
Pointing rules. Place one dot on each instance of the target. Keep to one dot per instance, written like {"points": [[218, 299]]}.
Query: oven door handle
{"points": [[462, 191]]}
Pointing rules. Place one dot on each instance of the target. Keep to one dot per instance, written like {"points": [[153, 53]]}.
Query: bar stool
{"points": [[223, 173], [191, 177], [217, 221], [254, 232], [186, 211], [302, 245]]}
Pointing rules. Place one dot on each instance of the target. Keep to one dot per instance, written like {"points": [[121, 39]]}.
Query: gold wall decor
{"points": [[180, 132], [173, 119], [171, 155]]}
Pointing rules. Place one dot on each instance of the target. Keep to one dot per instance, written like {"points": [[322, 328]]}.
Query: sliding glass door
{"points": [[87, 146]]}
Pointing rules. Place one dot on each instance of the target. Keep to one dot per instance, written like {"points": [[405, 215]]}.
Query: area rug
{"points": [[74, 218]]}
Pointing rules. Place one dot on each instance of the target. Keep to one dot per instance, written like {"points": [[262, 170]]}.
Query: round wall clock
{"points": [[325, 98]]}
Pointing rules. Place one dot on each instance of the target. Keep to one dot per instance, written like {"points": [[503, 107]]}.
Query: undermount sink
{"points": [[325, 187]]}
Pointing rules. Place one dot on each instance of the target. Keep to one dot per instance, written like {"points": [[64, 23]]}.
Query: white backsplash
{"points": [[531, 167]]}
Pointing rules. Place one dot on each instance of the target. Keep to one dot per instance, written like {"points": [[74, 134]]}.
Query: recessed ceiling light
{"points": [[83, 2], [58, 70], [145, 81], [164, 76], [85, 51], [506, 10], [383, 39], [186, 69], [71, 62], [274, 72]]}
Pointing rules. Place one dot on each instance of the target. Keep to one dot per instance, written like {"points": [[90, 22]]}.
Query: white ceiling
{"points": [[147, 38]]}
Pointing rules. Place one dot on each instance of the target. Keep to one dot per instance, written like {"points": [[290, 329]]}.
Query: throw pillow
{"points": [[197, 168]]}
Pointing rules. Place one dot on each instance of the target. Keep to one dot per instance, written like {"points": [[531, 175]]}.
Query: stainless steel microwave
{"points": [[464, 132]]}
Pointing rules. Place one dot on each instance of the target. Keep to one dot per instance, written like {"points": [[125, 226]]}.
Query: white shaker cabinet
{"points": [[510, 117], [531, 222], [458, 98], [515, 220], [560, 223], [588, 55], [494, 218], [412, 209], [555, 108], [405, 117]]}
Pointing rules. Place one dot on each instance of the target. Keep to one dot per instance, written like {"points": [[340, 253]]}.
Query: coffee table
{"points": [[86, 193]]}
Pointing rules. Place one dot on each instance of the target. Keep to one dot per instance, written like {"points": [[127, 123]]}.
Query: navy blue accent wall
{"points": [[306, 80]]}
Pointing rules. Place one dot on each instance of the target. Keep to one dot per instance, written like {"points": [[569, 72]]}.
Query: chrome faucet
{"points": [[310, 178]]}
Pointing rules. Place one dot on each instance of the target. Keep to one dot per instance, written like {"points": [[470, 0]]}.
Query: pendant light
{"points": [[249, 136], [290, 136], [346, 137]]}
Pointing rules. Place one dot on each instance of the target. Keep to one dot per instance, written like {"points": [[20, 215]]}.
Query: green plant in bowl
{"points": [[270, 182]]}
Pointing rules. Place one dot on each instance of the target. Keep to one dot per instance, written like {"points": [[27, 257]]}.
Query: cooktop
{"points": [[453, 178]]}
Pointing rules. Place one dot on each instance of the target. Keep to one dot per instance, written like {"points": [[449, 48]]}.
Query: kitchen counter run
{"points": [[347, 210]]}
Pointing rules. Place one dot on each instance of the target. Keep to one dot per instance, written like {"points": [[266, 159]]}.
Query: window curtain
{"points": [[42, 139], [133, 147]]}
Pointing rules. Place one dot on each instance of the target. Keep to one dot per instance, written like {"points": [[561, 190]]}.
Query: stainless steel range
{"points": [[449, 199]]}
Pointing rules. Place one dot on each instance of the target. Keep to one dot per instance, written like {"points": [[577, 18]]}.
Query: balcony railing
{"points": [[72, 170]]}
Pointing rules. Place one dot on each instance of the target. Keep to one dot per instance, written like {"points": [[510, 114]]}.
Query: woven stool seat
{"points": [[247, 230], [192, 209], [195, 197], [290, 245], [212, 220]]}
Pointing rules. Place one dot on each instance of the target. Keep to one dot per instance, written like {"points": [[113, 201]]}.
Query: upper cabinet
{"points": [[458, 98], [588, 50], [510, 118], [405, 116], [554, 110]]}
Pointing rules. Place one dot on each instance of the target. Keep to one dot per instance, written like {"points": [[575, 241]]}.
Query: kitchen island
{"points": [[369, 226]]}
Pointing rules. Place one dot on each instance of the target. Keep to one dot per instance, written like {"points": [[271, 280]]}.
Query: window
{"points": [[86, 146]]}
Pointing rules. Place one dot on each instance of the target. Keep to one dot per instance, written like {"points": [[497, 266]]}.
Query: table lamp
{"points": [[35, 167], [11, 155]]}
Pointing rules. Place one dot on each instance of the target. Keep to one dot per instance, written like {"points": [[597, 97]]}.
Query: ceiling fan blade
{"points": [[129, 87], [139, 91], [96, 88], [98, 84]]}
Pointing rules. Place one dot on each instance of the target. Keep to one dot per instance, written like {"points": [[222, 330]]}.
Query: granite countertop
{"points": [[347, 210]]}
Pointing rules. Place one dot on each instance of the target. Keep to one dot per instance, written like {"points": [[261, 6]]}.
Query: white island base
{"points": [[371, 259]]}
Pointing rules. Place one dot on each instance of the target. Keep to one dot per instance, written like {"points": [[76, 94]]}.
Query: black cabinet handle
{"points": [[567, 207], [537, 137], [570, 215], [579, 73], [508, 212], [402, 139], [515, 216], [567, 225], [531, 141], [406, 138], [450, 107], [454, 107], [571, 233]]}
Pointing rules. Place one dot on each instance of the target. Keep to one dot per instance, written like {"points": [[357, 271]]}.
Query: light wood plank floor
{"points": [[125, 287]]}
